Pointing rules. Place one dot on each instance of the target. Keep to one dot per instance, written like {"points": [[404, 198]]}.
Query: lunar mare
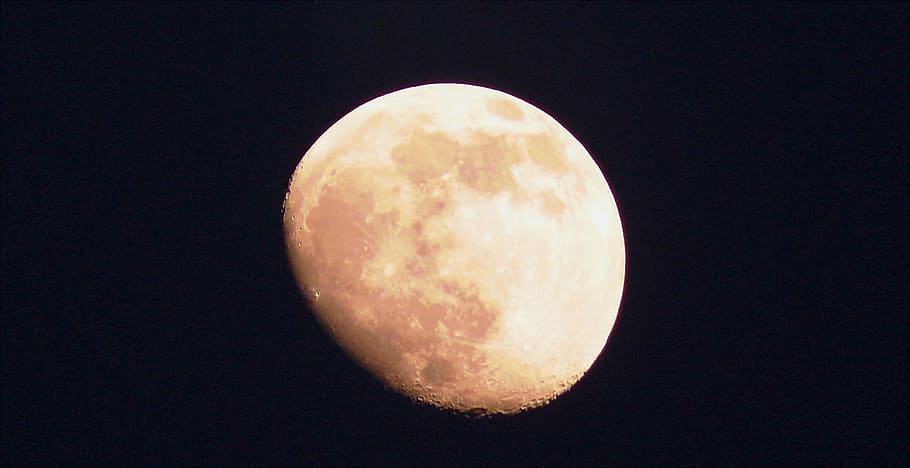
{"points": [[460, 244]]}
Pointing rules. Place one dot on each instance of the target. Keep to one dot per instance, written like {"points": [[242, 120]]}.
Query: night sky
{"points": [[758, 154]]}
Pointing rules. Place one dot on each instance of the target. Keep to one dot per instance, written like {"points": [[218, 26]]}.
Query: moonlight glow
{"points": [[460, 244]]}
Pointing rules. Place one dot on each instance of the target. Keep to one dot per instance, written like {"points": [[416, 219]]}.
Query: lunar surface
{"points": [[460, 244]]}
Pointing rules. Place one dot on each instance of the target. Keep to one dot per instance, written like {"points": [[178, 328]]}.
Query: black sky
{"points": [[758, 152]]}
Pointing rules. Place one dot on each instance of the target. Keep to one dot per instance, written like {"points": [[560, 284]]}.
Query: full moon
{"points": [[460, 245]]}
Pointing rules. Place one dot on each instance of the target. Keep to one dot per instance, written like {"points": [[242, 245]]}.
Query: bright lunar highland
{"points": [[460, 244]]}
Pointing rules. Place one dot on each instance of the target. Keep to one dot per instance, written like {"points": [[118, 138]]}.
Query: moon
{"points": [[459, 244]]}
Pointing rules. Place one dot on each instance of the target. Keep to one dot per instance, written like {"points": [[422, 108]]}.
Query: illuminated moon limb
{"points": [[460, 244]]}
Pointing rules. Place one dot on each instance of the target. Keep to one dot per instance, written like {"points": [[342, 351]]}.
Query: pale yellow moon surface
{"points": [[460, 244]]}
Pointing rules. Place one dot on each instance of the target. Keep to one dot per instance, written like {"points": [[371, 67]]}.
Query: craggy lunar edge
{"points": [[460, 244]]}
